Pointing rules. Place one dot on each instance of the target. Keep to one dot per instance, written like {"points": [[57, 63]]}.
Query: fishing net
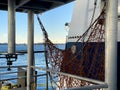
{"points": [[87, 61]]}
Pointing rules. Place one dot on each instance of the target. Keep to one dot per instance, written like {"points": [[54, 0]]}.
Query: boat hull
{"points": [[95, 46]]}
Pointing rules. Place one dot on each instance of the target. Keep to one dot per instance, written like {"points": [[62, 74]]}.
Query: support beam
{"points": [[111, 44], [30, 49], [11, 26], [54, 1], [41, 8], [21, 3]]}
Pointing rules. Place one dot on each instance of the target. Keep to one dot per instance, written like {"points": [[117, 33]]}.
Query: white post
{"points": [[111, 44], [11, 26], [30, 49]]}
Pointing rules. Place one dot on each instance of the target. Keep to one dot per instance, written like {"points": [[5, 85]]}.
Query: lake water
{"points": [[22, 60]]}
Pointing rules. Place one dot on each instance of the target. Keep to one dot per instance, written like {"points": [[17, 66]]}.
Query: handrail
{"points": [[24, 66], [22, 77], [90, 87], [97, 84], [13, 72], [70, 75], [20, 52]]}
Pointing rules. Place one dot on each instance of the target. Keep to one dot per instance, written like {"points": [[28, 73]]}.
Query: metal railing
{"points": [[99, 84], [22, 77]]}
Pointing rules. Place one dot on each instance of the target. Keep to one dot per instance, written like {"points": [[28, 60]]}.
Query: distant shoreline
{"points": [[26, 44]]}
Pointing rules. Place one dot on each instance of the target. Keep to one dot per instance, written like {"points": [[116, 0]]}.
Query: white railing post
{"points": [[30, 49], [11, 26], [111, 44]]}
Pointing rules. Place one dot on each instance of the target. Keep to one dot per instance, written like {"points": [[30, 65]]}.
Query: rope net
{"points": [[87, 61]]}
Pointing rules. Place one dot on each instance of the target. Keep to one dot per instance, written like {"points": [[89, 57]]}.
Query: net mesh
{"points": [[87, 61]]}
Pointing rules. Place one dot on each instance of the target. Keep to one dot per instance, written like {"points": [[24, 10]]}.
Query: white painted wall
{"points": [[81, 18]]}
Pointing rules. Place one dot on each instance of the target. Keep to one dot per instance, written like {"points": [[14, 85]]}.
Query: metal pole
{"points": [[11, 26], [46, 60], [111, 44], [30, 49], [23, 66]]}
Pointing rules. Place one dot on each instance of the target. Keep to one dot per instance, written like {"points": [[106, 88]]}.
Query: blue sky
{"points": [[53, 20]]}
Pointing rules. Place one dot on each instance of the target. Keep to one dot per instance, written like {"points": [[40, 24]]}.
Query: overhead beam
{"points": [[38, 4], [28, 7], [21, 3], [34, 8], [54, 1]]}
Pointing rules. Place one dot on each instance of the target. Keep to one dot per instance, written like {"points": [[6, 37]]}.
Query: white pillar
{"points": [[111, 44], [30, 49], [11, 26]]}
